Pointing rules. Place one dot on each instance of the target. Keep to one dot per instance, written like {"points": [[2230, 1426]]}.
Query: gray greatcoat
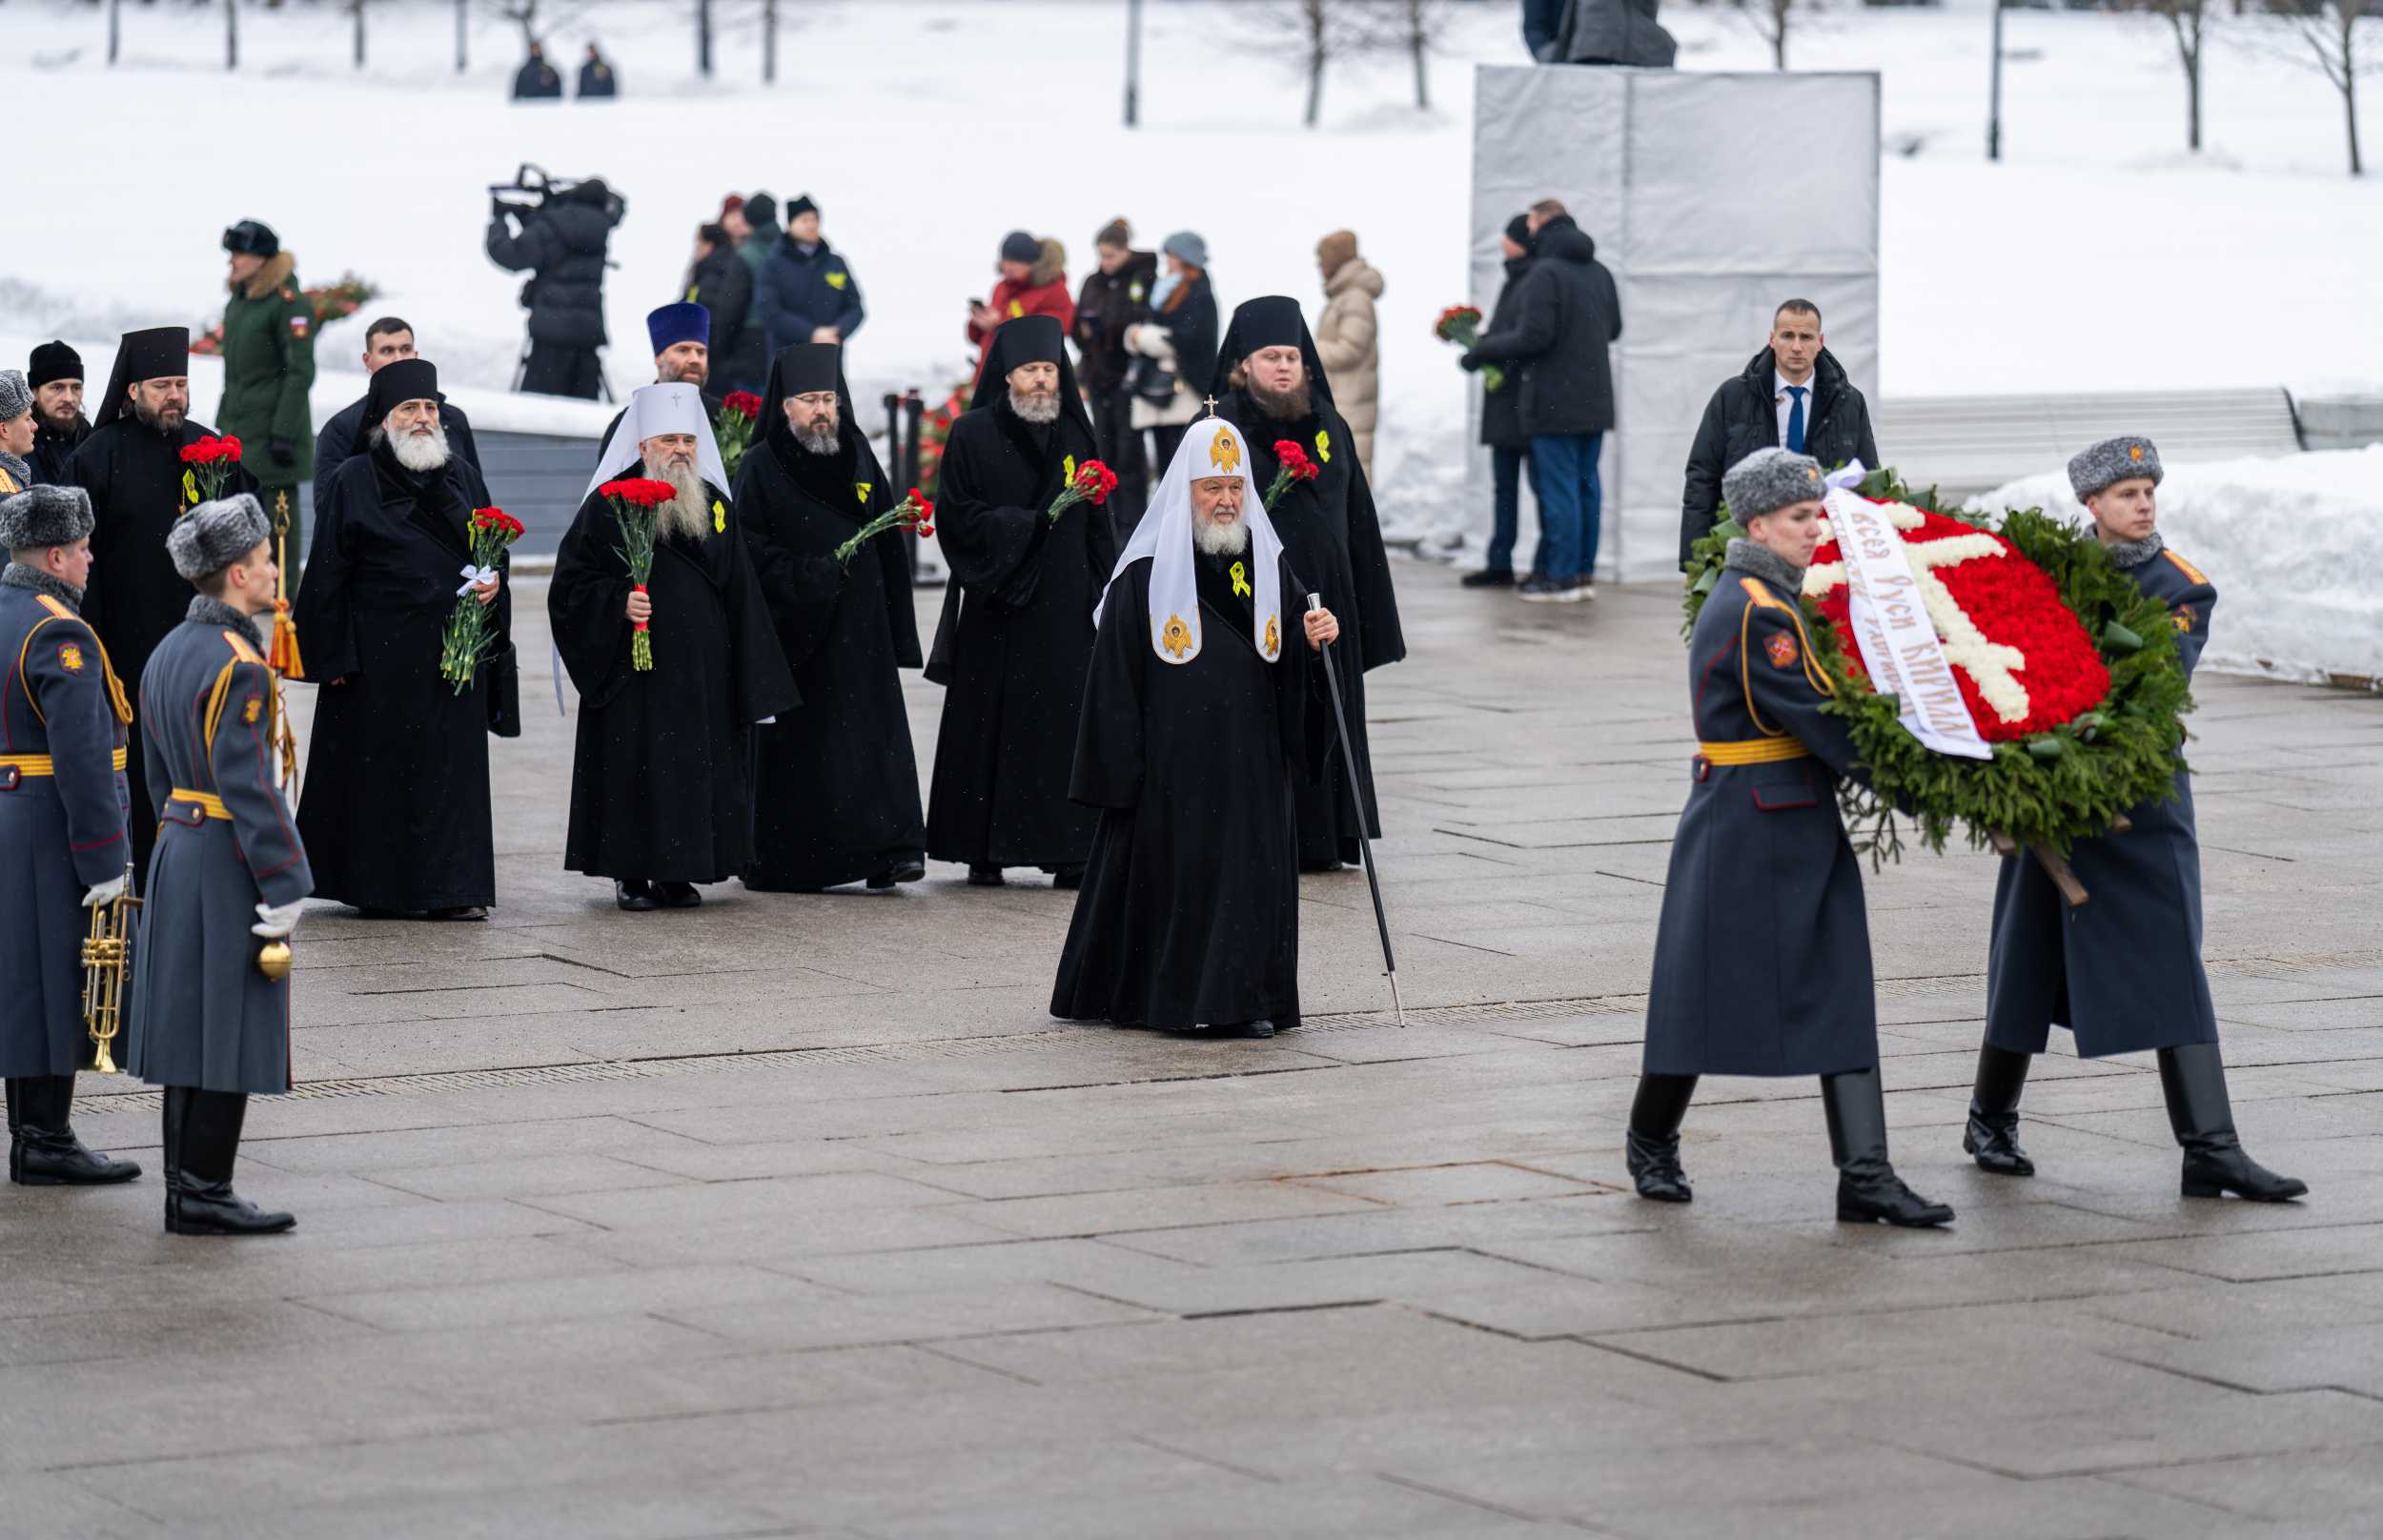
{"points": [[202, 1015], [2121, 972], [62, 827], [1762, 958]]}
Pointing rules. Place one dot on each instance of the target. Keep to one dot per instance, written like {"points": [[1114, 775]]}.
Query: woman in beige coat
{"points": [[1345, 337]]}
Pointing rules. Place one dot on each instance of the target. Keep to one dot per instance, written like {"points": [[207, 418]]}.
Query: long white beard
{"points": [[689, 514], [1035, 409], [421, 452], [1220, 540]]}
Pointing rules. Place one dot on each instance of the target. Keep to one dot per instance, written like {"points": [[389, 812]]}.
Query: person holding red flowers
{"points": [[2123, 973], [396, 806]]}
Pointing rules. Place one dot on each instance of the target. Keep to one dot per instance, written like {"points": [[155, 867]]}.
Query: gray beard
{"points": [[689, 514], [1291, 406], [421, 452], [1220, 540], [820, 438], [1038, 410]]}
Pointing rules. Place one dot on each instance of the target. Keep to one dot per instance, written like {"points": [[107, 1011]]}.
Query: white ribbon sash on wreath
{"points": [[1898, 642]]}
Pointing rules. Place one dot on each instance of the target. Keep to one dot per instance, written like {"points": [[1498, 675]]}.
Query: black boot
{"points": [[2193, 1079], [1650, 1148], [1993, 1132], [176, 1108], [210, 1144], [43, 1151], [1868, 1188]]}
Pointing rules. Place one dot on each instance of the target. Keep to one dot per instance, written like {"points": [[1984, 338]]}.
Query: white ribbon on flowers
{"points": [[473, 577], [1899, 644]]}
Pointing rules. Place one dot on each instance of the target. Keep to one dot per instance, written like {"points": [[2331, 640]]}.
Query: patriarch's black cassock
{"points": [[835, 782], [1330, 531], [395, 810], [1017, 622], [660, 783]]}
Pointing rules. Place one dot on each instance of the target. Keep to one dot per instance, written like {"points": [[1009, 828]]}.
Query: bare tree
{"points": [[769, 41], [2189, 21], [703, 38], [1770, 19], [1418, 29], [231, 35], [462, 35], [115, 29], [2330, 36], [1320, 31], [359, 7]]}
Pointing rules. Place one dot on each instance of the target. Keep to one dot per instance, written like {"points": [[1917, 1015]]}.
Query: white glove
{"points": [[107, 892], [276, 922]]}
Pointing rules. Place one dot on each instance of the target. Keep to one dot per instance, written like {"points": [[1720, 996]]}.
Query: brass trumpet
{"points": [[107, 963]]}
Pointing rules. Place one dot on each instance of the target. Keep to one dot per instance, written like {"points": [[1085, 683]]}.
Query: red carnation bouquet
{"points": [[1461, 325], [634, 499], [740, 416], [1291, 464], [466, 642], [210, 461], [1093, 483], [914, 512]]}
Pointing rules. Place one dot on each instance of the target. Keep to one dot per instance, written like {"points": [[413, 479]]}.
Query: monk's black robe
{"points": [[1016, 634], [1190, 910], [660, 784], [395, 808], [835, 782], [1330, 530]]}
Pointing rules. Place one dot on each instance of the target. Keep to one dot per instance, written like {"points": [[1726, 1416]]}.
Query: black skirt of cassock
{"points": [[1330, 531], [835, 781], [1189, 909], [659, 783], [395, 808]]}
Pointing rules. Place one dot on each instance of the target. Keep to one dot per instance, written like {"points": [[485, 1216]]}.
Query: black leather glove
{"points": [[1470, 362], [284, 453]]}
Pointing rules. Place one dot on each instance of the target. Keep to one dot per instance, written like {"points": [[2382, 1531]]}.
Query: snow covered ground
{"points": [[2096, 254], [2293, 546]]}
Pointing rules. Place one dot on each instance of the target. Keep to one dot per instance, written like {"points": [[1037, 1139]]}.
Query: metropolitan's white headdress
{"points": [[1210, 447], [675, 408]]}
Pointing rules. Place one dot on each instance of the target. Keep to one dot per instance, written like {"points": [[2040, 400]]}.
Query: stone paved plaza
{"points": [[799, 1216]]}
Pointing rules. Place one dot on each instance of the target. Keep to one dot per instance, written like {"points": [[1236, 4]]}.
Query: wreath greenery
{"points": [[2051, 789]]}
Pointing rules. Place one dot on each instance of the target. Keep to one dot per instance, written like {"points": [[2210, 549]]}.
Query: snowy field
{"points": [[2097, 254]]}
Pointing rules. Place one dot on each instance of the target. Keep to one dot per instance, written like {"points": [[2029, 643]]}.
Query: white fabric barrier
{"points": [[1711, 198]]}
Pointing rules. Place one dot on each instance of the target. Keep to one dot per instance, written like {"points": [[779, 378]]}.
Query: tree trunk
{"points": [[2350, 100], [231, 35], [1316, 87], [769, 42], [2192, 101], [1779, 33], [359, 33], [704, 38], [115, 29], [462, 28], [1419, 44]]}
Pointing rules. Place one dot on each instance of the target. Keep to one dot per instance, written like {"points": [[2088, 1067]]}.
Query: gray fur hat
{"points": [[16, 397], [1186, 246], [2112, 460], [1769, 480], [214, 535], [42, 516]]}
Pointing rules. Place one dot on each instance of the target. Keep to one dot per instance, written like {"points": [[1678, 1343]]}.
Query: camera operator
{"points": [[560, 245]]}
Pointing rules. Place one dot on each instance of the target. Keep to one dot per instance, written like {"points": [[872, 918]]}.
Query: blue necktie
{"points": [[1795, 421]]}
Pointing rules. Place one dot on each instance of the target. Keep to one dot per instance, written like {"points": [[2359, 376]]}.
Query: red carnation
{"points": [[639, 491], [744, 403]]}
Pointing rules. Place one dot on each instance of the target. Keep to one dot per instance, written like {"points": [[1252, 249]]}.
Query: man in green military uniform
{"points": [[268, 368]]}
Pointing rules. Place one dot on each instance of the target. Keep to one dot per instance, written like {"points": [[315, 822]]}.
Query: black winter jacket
{"points": [[1501, 409], [798, 292], [1109, 303], [1742, 416], [722, 284], [1566, 317], [562, 247]]}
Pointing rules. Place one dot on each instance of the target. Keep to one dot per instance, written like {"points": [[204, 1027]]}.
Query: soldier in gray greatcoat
{"points": [[2121, 972], [63, 847], [1763, 957], [208, 1024]]}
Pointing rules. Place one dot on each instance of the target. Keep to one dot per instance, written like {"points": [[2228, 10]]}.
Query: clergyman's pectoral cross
{"points": [[1212, 406]]}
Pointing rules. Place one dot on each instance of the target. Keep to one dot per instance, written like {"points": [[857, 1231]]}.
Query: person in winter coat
{"points": [[1345, 337], [1115, 296], [56, 372], [597, 81], [1611, 31], [752, 224], [562, 247], [806, 291], [537, 80], [1033, 282], [1175, 365], [1794, 395], [1501, 432], [1555, 354], [268, 369], [719, 281]]}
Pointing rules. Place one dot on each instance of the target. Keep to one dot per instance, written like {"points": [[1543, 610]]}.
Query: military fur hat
{"points": [[214, 535], [16, 397], [1769, 480], [43, 517], [2112, 460]]}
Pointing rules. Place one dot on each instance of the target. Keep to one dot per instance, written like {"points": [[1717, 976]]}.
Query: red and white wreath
{"points": [[2024, 663]]}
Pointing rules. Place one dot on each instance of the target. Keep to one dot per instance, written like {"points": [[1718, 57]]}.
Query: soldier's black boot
{"points": [[1993, 1132], [170, 1130], [43, 1151], [210, 1144], [1868, 1188], [1650, 1148], [2193, 1079]]}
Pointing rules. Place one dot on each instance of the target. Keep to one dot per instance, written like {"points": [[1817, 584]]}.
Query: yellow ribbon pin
{"points": [[1324, 446], [189, 490], [720, 518], [1240, 580], [861, 488], [1067, 471]]}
